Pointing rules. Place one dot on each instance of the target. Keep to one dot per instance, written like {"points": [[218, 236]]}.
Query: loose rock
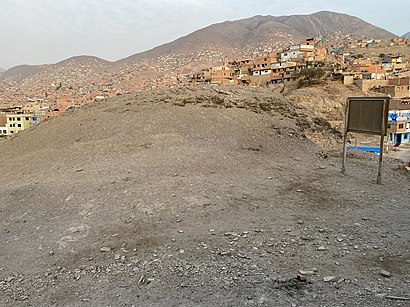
{"points": [[329, 278], [385, 273]]}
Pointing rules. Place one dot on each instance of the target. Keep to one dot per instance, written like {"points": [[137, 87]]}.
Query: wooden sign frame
{"points": [[367, 115]]}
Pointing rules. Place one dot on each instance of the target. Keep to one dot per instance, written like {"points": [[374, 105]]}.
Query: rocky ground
{"points": [[327, 99], [198, 197]]}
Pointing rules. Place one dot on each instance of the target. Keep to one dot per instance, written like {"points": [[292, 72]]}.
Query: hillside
{"points": [[197, 197], [324, 22], [407, 35], [258, 30], [85, 77], [84, 60], [2, 69], [326, 100], [19, 73], [261, 31], [76, 77]]}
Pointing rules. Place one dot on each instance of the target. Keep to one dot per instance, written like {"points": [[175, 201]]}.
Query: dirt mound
{"points": [[196, 197], [309, 123], [326, 100]]}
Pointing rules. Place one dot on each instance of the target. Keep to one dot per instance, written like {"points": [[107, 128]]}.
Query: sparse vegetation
{"points": [[311, 75]]}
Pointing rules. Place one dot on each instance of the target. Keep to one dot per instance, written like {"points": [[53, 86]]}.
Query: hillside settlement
{"points": [[31, 95]]}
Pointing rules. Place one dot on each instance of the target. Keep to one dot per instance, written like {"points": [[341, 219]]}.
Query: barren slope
{"points": [[323, 22], [325, 100], [261, 31], [193, 197], [257, 30]]}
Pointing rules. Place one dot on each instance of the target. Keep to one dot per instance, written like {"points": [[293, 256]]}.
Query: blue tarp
{"points": [[375, 150]]}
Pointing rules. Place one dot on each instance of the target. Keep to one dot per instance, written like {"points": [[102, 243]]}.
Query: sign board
{"points": [[366, 115]]}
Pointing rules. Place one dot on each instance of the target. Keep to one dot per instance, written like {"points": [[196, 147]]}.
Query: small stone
{"points": [[9, 279], [117, 257], [385, 273], [302, 272], [230, 234], [299, 191], [70, 197], [79, 170], [329, 278], [300, 222], [105, 249], [51, 253], [321, 248], [225, 253], [180, 231], [301, 278]]}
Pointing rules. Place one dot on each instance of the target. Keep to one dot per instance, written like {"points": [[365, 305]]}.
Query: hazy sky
{"points": [[47, 31]]}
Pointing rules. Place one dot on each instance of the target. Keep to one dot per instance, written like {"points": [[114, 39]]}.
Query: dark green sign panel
{"points": [[367, 115]]}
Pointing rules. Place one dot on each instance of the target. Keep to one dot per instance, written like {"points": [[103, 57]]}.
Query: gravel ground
{"points": [[197, 197], [402, 153]]}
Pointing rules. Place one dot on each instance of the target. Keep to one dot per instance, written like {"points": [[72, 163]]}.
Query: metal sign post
{"points": [[366, 115], [383, 132], [345, 138]]}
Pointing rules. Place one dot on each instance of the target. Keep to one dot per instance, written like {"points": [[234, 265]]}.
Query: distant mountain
{"points": [[262, 31], [2, 69], [84, 60], [407, 35], [22, 71], [89, 64], [236, 38], [227, 35], [324, 22]]}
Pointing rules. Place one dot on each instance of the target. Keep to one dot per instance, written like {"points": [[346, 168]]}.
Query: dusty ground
{"points": [[401, 153], [197, 198]]}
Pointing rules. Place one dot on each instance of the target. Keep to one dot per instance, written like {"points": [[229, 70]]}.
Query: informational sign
{"points": [[366, 115]]}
